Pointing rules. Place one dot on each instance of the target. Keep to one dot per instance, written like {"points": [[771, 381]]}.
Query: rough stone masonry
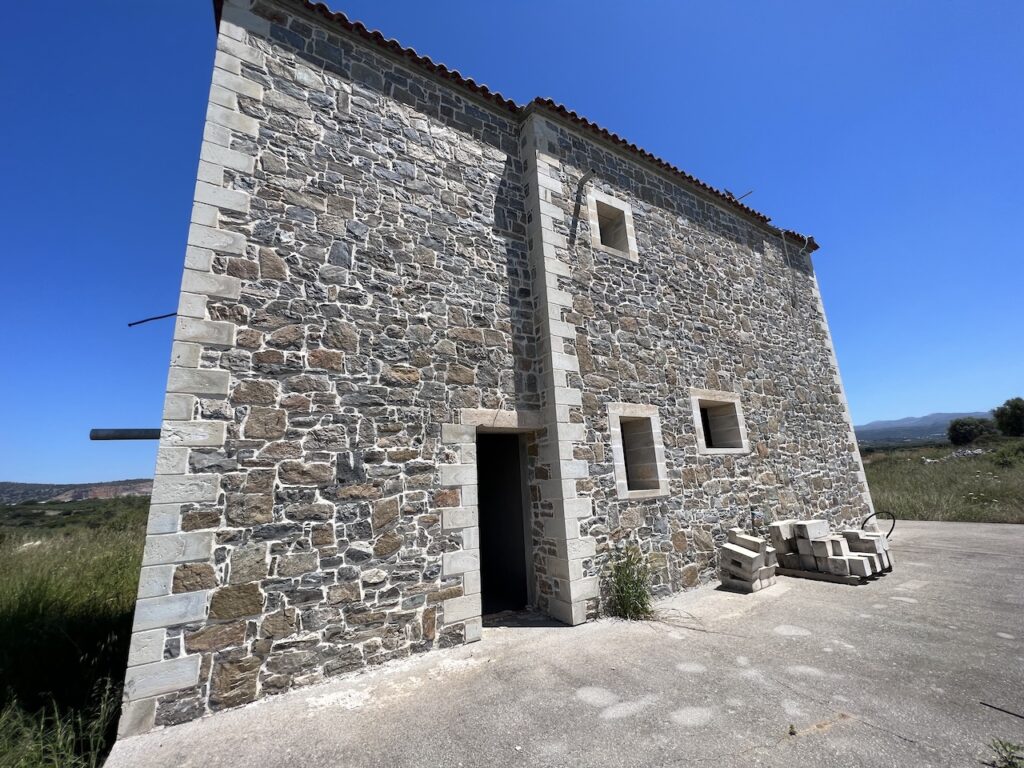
{"points": [[385, 259]]}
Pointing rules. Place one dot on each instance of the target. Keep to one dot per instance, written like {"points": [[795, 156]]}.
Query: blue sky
{"points": [[890, 131]]}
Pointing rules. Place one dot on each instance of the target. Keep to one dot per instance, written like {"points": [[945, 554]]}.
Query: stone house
{"points": [[438, 355]]}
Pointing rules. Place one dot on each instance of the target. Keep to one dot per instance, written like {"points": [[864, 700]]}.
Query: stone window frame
{"points": [[593, 198], [723, 398], [616, 413]]}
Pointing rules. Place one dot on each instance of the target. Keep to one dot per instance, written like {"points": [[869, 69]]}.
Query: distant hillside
{"points": [[22, 493], [913, 429]]}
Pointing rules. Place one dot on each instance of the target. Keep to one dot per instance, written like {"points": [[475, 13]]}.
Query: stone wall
{"points": [[714, 302], [362, 238], [380, 264]]}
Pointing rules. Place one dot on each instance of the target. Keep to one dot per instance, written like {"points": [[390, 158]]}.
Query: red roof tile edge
{"points": [[396, 48]]}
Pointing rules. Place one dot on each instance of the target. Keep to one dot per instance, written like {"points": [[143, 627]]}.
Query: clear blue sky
{"points": [[893, 132]]}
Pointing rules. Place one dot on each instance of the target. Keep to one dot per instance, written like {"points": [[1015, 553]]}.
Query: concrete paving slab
{"points": [[891, 673]]}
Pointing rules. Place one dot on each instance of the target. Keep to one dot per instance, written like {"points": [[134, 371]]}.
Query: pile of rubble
{"points": [[746, 563], [806, 547]]}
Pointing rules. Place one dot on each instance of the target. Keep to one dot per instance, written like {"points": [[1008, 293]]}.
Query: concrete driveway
{"points": [[888, 674]]}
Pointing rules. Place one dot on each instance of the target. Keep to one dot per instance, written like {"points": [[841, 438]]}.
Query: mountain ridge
{"points": [[23, 493]]}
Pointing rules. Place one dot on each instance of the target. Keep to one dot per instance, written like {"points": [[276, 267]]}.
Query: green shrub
{"points": [[631, 587], [1010, 417], [965, 431], [1006, 754], [1009, 455]]}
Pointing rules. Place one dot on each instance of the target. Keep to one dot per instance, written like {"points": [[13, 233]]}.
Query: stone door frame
{"points": [[461, 439]]}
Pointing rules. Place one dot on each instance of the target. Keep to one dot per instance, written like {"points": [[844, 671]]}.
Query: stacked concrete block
{"points": [[747, 563], [809, 546]]}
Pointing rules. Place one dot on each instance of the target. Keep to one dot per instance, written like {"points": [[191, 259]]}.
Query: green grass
{"points": [[67, 594], [981, 489]]}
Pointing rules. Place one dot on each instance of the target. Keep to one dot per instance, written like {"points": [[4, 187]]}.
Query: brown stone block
{"points": [[357, 491], [279, 624], [253, 392], [236, 602], [298, 564], [460, 374], [385, 512], [192, 577], [399, 375], [198, 519], [341, 335], [446, 498], [444, 594], [302, 473], [327, 359], [388, 544], [265, 423], [272, 266], [344, 593], [234, 682], [246, 509], [289, 337], [679, 541], [215, 637]]}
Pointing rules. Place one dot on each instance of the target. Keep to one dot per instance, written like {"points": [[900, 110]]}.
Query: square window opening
{"points": [[639, 453], [611, 226], [720, 424]]}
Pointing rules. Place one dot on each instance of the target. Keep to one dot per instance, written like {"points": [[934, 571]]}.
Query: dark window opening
{"points": [[611, 225], [720, 425], [503, 571], [639, 454]]}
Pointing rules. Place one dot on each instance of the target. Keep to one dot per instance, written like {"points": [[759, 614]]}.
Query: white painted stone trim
{"points": [[616, 411], [593, 197], [720, 397]]}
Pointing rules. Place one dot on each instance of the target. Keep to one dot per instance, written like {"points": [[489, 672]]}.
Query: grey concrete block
{"points": [[198, 381], [162, 677], [457, 474], [137, 717], [171, 460], [178, 407], [169, 489], [221, 240], [209, 333], [193, 433], [229, 199], [459, 609], [458, 517], [811, 529], [146, 647], [460, 561], [227, 158], [167, 548], [169, 610], [163, 518], [155, 580], [221, 286]]}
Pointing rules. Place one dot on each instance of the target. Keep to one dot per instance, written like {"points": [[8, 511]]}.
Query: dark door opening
{"points": [[503, 572]]}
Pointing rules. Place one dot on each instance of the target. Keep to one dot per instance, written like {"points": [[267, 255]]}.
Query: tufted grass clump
{"points": [[1006, 754], [631, 587]]}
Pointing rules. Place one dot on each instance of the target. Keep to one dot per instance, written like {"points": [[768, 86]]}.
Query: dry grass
{"points": [[981, 489], [67, 595]]}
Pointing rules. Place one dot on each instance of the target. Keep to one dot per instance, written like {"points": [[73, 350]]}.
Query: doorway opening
{"points": [[504, 569]]}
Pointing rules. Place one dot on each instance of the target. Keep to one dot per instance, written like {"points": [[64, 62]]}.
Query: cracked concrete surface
{"points": [[887, 674]]}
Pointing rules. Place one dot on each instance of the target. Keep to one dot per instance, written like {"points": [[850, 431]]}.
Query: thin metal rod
{"points": [[157, 317], [1000, 709], [124, 434]]}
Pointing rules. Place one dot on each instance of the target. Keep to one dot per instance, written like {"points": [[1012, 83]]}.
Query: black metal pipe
{"points": [[124, 434]]}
